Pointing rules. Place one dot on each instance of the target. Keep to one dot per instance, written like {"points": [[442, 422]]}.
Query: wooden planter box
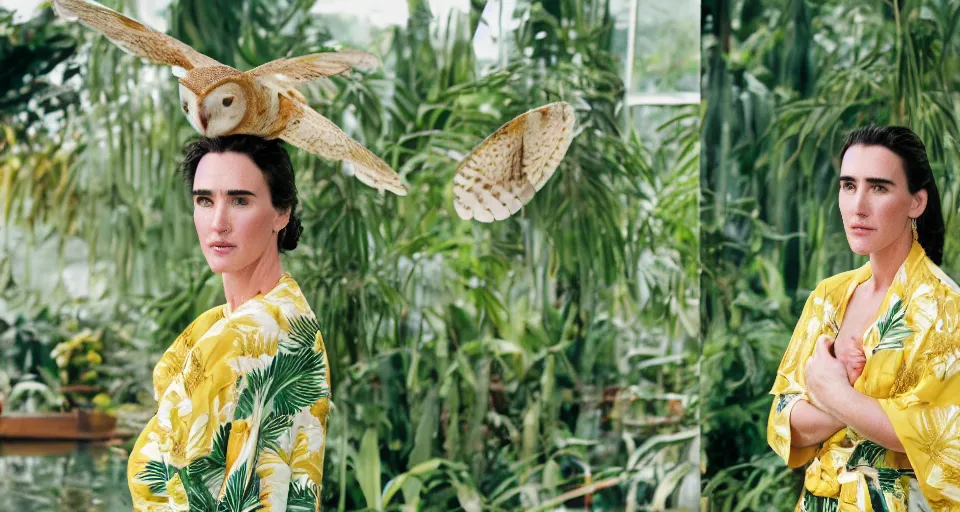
{"points": [[78, 425]]}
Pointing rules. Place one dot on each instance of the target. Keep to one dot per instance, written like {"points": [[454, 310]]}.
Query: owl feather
{"points": [[505, 171], [220, 100]]}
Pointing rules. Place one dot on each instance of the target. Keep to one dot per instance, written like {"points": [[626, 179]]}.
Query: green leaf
{"points": [[198, 495], [212, 467], [271, 429], [303, 332], [290, 383], [368, 469], [301, 498], [242, 493], [157, 474], [893, 328]]}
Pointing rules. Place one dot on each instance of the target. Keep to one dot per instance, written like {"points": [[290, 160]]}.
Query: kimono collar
{"points": [[286, 281], [909, 266]]}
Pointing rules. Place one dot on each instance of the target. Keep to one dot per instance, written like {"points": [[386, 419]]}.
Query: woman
{"points": [[900, 420], [243, 392]]}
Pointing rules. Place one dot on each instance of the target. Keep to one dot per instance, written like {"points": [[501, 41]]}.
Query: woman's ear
{"points": [[919, 203], [282, 220]]}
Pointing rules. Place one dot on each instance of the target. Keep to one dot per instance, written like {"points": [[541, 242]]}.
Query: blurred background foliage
{"points": [[545, 362], [785, 82]]}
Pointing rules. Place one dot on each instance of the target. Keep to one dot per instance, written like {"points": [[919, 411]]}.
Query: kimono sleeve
{"points": [[291, 469], [788, 388], [925, 413]]}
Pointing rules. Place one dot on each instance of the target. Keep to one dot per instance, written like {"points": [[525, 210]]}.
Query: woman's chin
{"points": [[218, 265], [859, 247]]}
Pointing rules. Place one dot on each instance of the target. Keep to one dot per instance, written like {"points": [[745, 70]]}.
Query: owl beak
{"points": [[203, 119]]}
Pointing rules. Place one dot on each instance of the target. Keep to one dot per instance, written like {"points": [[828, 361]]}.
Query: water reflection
{"points": [[75, 477]]}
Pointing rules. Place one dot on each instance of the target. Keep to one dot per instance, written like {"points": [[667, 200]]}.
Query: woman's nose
{"points": [[861, 203], [221, 220]]}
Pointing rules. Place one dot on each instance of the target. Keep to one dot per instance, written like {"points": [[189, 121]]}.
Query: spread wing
{"points": [[131, 35], [310, 131], [505, 170], [285, 74]]}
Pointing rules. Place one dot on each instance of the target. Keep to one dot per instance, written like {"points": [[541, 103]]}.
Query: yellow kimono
{"points": [[912, 369], [241, 423]]}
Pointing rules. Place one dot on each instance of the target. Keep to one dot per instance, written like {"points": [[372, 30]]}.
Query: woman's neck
{"points": [[885, 263], [247, 283]]}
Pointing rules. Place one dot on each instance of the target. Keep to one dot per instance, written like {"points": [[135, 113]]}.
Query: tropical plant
{"points": [[785, 83], [541, 362]]}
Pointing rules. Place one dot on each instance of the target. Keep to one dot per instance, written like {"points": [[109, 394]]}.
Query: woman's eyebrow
{"points": [[231, 192], [875, 181]]}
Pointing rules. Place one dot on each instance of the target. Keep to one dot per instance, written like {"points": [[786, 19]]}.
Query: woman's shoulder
{"points": [[283, 304], [935, 276]]}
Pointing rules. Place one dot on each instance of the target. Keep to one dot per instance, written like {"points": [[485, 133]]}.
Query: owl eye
{"points": [[228, 101], [186, 108]]}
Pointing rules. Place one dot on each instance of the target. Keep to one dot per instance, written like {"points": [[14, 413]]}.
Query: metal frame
{"points": [[630, 99]]}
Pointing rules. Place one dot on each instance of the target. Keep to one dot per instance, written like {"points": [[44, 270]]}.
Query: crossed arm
{"points": [[835, 404]]}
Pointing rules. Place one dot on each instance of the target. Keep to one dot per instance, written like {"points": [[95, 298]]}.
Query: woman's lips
{"points": [[222, 249], [861, 230]]}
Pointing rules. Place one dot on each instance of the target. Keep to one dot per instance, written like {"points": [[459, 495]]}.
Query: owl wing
{"points": [[131, 35], [504, 171], [310, 131], [285, 74]]}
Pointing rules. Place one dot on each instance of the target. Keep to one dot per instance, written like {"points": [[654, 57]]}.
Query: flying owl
{"points": [[220, 100], [511, 165]]}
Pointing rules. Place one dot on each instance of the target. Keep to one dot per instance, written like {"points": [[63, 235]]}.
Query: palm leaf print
{"points": [[893, 328], [157, 474], [784, 400], [290, 383], [198, 496], [303, 332], [301, 498], [211, 468], [813, 503], [869, 458], [271, 430], [866, 453], [240, 495]]}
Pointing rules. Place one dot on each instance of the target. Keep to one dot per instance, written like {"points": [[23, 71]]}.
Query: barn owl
{"points": [[220, 100], [505, 170]]}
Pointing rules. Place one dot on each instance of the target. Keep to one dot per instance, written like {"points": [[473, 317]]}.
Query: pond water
{"points": [[74, 477]]}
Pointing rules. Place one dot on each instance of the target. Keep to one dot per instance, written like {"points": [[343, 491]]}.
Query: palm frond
{"points": [[157, 474]]}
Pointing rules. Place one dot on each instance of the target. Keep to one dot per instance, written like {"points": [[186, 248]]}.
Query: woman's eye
{"points": [[203, 201], [880, 188], [240, 201]]}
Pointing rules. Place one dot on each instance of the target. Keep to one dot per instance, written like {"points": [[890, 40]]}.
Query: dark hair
{"points": [[913, 155], [272, 160]]}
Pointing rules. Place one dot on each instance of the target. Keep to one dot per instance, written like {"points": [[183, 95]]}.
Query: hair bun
{"points": [[290, 235]]}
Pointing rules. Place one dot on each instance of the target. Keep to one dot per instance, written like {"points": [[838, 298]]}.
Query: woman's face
{"points": [[233, 213], [875, 202]]}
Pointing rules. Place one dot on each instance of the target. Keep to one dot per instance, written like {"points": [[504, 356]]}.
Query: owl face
{"points": [[217, 112]]}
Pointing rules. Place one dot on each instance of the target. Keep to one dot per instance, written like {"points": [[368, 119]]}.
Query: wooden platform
{"points": [[77, 425]]}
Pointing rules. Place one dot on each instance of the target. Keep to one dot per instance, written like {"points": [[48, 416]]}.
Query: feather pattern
{"points": [[220, 100], [510, 166]]}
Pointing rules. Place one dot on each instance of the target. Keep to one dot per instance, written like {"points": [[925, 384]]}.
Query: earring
{"points": [[913, 225]]}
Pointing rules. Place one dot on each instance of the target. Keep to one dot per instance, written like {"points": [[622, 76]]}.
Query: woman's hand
{"points": [[849, 351], [825, 375]]}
